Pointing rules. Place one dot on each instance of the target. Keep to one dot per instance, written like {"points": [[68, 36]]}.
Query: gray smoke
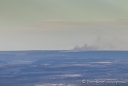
{"points": [[98, 45], [86, 47]]}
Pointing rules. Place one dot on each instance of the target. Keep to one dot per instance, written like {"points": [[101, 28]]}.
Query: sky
{"points": [[63, 25]]}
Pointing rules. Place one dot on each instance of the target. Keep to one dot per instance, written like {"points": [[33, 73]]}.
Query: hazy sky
{"points": [[63, 24]]}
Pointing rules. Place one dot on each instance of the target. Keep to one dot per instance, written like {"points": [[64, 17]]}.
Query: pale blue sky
{"points": [[63, 24]]}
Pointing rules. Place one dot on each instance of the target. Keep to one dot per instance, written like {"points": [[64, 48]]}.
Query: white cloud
{"points": [[64, 34]]}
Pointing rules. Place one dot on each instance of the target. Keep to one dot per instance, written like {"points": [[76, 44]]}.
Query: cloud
{"points": [[64, 34], [88, 24]]}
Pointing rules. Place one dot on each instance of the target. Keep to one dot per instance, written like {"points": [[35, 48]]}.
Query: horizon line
{"points": [[59, 50]]}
